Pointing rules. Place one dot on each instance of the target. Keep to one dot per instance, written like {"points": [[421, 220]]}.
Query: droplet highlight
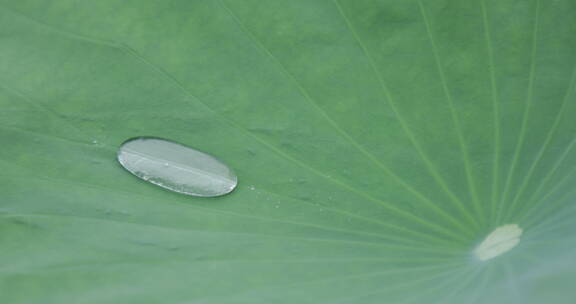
{"points": [[176, 167], [499, 241]]}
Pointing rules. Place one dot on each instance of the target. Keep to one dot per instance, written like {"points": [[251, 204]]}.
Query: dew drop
{"points": [[499, 241], [176, 167]]}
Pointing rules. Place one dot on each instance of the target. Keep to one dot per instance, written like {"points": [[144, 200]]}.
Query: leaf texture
{"points": [[377, 143]]}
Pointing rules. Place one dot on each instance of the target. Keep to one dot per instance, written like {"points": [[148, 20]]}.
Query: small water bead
{"points": [[176, 167]]}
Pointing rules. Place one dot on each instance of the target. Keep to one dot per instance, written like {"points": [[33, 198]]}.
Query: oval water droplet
{"points": [[176, 167]]}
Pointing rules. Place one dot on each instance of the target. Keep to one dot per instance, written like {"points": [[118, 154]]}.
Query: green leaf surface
{"points": [[376, 142]]}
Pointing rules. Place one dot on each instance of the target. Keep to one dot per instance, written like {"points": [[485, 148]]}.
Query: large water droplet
{"points": [[176, 167]]}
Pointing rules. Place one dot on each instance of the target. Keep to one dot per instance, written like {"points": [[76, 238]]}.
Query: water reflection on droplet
{"points": [[176, 167]]}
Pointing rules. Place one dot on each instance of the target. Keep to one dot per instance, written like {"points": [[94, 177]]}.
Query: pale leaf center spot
{"points": [[499, 241]]}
